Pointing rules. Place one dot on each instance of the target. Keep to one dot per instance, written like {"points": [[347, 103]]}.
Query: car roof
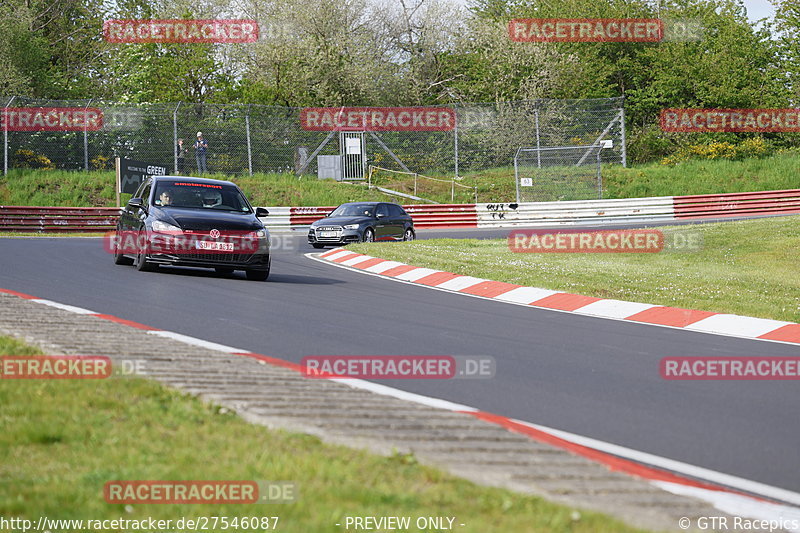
{"points": [[191, 179]]}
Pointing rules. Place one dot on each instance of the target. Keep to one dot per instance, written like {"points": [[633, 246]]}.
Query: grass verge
{"points": [[63, 440], [747, 268]]}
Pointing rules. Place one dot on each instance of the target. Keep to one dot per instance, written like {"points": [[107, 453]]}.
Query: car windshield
{"points": [[354, 210], [193, 195]]}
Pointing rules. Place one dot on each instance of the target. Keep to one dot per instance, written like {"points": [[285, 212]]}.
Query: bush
{"points": [[649, 144], [753, 147], [29, 159], [101, 162]]}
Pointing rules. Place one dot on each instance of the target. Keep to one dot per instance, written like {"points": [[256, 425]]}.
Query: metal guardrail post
{"points": [[5, 135]]}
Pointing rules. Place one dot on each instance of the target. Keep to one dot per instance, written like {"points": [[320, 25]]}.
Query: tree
{"points": [[787, 26]]}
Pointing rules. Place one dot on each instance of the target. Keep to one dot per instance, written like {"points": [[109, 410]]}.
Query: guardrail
{"points": [[660, 208], [576, 212], [31, 219], [738, 204]]}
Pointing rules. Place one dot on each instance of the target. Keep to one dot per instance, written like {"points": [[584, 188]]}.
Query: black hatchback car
{"points": [[196, 222], [362, 222]]}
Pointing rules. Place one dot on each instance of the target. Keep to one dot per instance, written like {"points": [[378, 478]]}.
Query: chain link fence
{"points": [[244, 139], [559, 173]]}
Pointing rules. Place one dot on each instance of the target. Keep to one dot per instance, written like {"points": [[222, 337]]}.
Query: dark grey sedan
{"points": [[362, 222]]}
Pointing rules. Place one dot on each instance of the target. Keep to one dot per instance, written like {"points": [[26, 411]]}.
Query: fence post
{"points": [[516, 172], [455, 141], [599, 176], [249, 149], [86, 137], [175, 136], [538, 144], [453, 191], [415, 183], [624, 143], [5, 135]]}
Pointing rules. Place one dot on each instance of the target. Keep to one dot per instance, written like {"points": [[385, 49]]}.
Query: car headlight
{"points": [[261, 233], [159, 225], [350, 226]]}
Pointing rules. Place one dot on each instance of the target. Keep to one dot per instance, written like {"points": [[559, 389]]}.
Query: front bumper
{"points": [[247, 254], [206, 260], [337, 237]]}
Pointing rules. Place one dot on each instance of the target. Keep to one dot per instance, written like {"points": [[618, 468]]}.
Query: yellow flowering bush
{"points": [[751, 147], [29, 159], [100, 162]]}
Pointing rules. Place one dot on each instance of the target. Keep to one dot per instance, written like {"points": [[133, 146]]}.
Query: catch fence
{"points": [[244, 139]]}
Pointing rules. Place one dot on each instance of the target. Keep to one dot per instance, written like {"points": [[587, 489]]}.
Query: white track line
{"points": [[196, 342], [65, 307]]}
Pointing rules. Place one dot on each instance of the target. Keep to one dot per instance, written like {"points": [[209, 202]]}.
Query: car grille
{"points": [[335, 238], [221, 258]]}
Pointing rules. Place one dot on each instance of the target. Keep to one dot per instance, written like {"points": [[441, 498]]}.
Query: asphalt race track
{"points": [[594, 377]]}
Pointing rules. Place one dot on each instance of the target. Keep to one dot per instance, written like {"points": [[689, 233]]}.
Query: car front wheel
{"points": [[369, 235], [257, 275], [409, 235], [142, 264]]}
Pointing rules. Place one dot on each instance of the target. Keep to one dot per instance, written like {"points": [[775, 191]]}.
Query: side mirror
{"points": [[136, 202], [261, 212]]}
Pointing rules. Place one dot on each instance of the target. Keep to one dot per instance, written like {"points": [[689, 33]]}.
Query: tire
{"points": [[142, 265], [317, 245], [120, 259], [369, 235], [223, 270], [257, 275], [409, 235]]}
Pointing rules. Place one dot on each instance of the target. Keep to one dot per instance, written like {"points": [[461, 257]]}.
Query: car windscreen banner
{"points": [[130, 174]]}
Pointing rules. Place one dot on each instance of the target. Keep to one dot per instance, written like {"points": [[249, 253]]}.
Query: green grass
{"points": [[746, 268], [62, 440], [62, 188]]}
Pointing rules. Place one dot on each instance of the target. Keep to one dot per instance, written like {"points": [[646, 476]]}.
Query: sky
{"points": [[758, 9]]}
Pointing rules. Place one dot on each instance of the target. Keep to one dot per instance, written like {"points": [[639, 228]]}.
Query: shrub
{"points": [[101, 162], [752, 147], [29, 159]]}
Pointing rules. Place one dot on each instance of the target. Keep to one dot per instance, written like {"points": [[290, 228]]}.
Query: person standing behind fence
{"points": [[200, 148], [180, 151]]}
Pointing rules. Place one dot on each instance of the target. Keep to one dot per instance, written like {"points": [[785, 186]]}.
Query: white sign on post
{"points": [[353, 146]]}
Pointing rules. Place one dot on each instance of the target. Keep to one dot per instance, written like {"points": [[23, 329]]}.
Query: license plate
{"points": [[328, 233], [215, 246]]}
